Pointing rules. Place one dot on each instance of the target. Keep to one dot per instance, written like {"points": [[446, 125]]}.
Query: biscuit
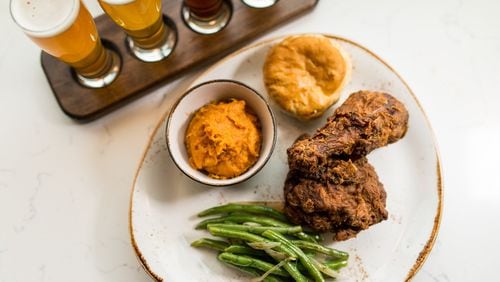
{"points": [[304, 74]]}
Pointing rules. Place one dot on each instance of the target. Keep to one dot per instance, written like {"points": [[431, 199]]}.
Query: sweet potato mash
{"points": [[223, 139]]}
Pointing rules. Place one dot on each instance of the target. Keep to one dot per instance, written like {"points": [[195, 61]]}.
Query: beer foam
{"points": [[44, 18], [118, 2]]}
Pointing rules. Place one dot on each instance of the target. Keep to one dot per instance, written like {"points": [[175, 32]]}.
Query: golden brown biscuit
{"points": [[304, 74]]}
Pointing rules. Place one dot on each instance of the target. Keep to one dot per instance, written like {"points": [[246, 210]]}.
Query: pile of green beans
{"points": [[257, 238]]}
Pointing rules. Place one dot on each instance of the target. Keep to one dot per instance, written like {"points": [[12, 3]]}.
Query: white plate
{"points": [[164, 202]]}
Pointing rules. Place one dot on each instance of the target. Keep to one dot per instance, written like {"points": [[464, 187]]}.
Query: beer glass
{"points": [[259, 4], [149, 38], [206, 16], [66, 30]]}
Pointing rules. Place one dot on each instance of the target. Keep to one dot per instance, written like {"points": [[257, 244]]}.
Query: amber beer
{"points": [[66, 30], [142, 20], [206, 16], [204, 9]]}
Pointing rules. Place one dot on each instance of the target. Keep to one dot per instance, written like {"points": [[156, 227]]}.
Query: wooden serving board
{"points": [[192, 49]]}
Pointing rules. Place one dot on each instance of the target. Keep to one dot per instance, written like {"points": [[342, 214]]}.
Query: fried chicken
{"points": [[365, 121], [330, 185], [347, 200]]}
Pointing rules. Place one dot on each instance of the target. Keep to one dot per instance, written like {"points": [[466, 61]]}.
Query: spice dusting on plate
{"points": [[223, 139]]}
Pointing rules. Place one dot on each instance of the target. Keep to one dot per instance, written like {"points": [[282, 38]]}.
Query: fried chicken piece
{"points": [[367, 120], [330, 185], [347, 198]]}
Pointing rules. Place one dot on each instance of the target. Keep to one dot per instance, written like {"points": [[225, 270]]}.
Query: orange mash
{"points": [[223, 139]]}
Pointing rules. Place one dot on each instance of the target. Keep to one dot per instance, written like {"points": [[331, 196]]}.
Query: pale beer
{"points": [[66, 30], [142, 20]]}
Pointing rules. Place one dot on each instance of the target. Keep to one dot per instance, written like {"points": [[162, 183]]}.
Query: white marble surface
{"points": [[64, 187]]}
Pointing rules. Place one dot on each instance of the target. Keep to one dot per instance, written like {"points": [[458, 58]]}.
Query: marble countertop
{"points": [[65, 187]]}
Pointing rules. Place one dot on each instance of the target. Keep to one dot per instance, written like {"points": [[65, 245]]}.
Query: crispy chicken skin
{"points": [[330, 185], [367, 120]]}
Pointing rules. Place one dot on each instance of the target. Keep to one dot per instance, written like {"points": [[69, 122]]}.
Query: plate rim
{"points": [[424, 253]]}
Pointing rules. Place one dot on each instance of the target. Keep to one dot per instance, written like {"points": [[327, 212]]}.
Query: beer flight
{"points": [[66, 30]]}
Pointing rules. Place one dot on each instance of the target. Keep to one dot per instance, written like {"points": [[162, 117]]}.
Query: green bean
{"points": [[333, 265], [271, 278], [259, 229], [243, 250], [324, 269], [251, 262], [305, 260], [210, 243], [246, 269], [290, 267], [203, 224], [255, 209], [260, 219], [254, 272], [316, 237], [307, 237], [235, 234], [336, 265], [321, 249], [242, 218]]}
